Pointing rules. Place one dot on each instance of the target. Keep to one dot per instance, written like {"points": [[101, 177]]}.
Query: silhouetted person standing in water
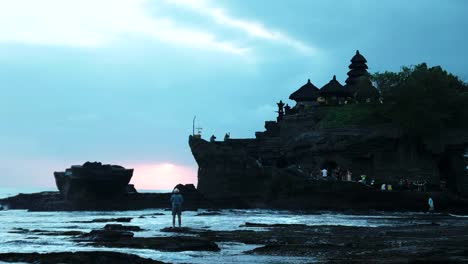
{"points": [[176, 202]]}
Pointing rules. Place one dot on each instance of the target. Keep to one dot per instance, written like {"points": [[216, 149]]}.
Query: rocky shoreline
{"points": [[432, 240], [324, 196]]}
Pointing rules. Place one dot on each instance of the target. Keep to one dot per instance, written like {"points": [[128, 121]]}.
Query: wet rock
{"points": [[115, 238], [418, 243], [91, 257], [294, 249], [208, 214], [118, 227], [172, 244], [247, 224], [151, 215], [107, 235], [104, 220]]}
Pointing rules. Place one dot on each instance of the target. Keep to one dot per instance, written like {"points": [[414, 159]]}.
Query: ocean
{"points": [[227, 220]]}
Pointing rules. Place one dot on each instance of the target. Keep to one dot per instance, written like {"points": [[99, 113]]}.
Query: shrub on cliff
{"points": [[351, 115]]}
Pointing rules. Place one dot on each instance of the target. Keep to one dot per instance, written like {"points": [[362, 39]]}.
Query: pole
{"points": [[193, 126]]}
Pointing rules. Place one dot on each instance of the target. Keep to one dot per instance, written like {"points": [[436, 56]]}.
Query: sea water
{"points": [[152, 222]]}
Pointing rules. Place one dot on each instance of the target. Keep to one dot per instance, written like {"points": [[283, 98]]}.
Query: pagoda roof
{"points": [[357, 73], [307, 92], [333, 88], [350, 82], [355, 65], [358, 58]]}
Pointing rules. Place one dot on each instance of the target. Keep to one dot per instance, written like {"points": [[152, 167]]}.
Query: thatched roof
{"points": [[307, 92], [333, 88]]}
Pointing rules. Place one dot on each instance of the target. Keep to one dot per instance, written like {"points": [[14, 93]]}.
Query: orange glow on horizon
{"points": [[162, 176]]}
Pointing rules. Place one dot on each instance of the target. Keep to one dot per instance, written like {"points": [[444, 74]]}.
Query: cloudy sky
{"points": [[120, 81]]}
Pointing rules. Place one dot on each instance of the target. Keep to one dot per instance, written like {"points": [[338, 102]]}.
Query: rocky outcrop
{"points": [[289, 155], [53, 201], [118, 227], [112, 238]]}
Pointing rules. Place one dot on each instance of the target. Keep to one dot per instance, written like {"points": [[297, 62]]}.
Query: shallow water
{"points": [[227, 220]]}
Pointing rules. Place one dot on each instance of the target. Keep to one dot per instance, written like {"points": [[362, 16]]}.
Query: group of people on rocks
{"points": [[419, 185], [340, 174]]}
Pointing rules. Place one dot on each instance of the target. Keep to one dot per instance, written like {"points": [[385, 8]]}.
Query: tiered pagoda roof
{"points": [[333, 88], [357, 69], [307, 92]]}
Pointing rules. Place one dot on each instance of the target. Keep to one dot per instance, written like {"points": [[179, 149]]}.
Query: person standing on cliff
{"points": [[176, 201]]}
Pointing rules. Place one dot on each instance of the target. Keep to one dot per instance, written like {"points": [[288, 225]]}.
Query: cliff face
{"points": [[292, 151]]}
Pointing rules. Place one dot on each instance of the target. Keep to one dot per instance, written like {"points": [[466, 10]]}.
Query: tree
{"points": [[423, 100]]}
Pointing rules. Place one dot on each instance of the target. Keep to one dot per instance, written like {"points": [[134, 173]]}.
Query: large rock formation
{"points": [[287, 157]]}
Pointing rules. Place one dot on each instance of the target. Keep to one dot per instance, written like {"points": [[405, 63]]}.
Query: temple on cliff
{"points": [[294, 148], [358, 89]]}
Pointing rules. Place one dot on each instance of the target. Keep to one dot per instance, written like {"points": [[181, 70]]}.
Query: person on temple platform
{"points": [[324, 173], [212, 138], [287, 110], [227, 136], [349, 175], [335, 173]]}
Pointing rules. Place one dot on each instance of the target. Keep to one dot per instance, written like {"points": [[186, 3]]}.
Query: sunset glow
{"points": [[163, 176]]}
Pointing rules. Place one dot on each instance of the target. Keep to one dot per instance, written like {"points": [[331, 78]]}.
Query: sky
{"points": [[120, 81]]}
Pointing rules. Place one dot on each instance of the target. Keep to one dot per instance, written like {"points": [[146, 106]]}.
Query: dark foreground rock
{"points": [[171, 244], [91, 257], [115, 238], [422, 243], [107, 235], [119, 227], [105, 220]]}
